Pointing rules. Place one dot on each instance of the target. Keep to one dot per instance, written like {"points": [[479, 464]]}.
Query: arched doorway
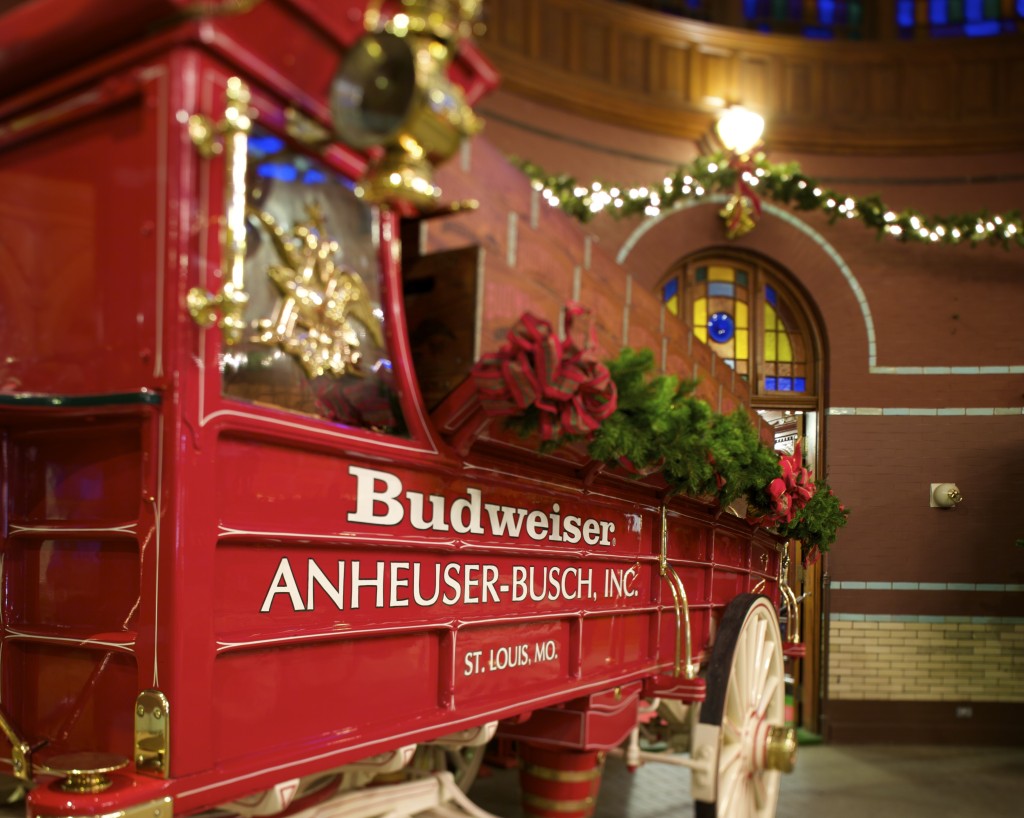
{"points": [[760, 322]]}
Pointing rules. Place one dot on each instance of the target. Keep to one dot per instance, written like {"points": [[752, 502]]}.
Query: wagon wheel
{"points": [[463, 763], [740, 735], [12, 790]]}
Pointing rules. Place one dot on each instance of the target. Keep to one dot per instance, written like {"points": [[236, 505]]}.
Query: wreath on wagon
{"points": [[626, 416]]}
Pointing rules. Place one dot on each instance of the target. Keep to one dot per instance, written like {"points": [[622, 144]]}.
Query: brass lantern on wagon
{"points": [[392, 92]]}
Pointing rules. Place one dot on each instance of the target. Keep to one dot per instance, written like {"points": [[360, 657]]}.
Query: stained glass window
{"points": [[785, 353], [694, 9], [958, 18], [750, 318], [721, 314], [827, 19], [818, 19], [855, 19]]}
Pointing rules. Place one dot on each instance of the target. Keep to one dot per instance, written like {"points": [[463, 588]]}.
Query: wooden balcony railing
{"points": [[663, 73]]}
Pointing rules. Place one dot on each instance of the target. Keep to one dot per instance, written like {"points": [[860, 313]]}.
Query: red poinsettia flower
{"points": [[790, 492]]}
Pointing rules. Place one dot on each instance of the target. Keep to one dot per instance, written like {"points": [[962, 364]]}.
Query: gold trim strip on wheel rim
{"points": [[557, 805], [568, 776]]}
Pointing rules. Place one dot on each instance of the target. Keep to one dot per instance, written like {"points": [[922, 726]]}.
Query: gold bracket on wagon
{"points": [[789, 600], [21, 751], [152, 734], [230, 138], [684, 641]]}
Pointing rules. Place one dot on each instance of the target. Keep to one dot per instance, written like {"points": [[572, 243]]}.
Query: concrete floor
{"points": [[829, 781]]}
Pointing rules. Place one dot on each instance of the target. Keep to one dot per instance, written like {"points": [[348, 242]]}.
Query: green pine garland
{"points": [[744, 464], [660, 426], [819, 521], [780, 182]]}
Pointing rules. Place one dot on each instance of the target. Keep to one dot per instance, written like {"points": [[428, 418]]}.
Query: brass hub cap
{"points": [[85, 772]]}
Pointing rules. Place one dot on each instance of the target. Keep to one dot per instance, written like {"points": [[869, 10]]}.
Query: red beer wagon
{"points": [[245, 567]]}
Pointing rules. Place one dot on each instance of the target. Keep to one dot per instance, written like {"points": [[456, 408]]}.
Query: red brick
{"points": [[603, 291], [678, 364], [645, 325], [486, 227], [729, 403], [707, 387], [560, 229], [507, 295], [701, 354], [545, 262], [491, 178]]}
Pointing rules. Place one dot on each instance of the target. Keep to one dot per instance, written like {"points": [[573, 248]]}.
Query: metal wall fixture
{"points": [[944, 495]]}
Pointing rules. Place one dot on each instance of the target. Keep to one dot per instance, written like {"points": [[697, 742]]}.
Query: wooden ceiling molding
{"points": [[668, 75]]}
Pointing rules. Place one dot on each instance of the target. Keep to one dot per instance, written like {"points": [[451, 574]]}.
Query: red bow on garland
{"points": [[572, 390], [790, 492], [811, 557], [743, 209]]}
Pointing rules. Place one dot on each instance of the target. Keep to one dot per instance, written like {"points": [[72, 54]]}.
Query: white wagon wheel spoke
{"points": [[733, 731], [760, 789], [773, 684], [730, 756]]}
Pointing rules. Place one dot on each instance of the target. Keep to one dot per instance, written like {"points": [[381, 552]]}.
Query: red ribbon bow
{"points": [[743, 210], [572, 390], [812, 556], [744, 165], [790, 492]]}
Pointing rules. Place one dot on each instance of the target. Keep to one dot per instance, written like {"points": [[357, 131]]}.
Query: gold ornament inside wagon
{"points": [[392, 92]]}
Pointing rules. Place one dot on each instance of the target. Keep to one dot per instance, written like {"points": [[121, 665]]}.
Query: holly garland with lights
{"points": [[748, 180], [627, 417]]}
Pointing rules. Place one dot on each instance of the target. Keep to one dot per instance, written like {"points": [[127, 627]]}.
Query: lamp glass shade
{"points": [[739, 129], [374, 91]]}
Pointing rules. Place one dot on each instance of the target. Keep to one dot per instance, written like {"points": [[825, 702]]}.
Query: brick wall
{"points": [[922, 658], [535, 259], [910, 678]]}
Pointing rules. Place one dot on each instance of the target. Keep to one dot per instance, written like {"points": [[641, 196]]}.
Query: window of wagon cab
{"points": [[315, 341]]}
